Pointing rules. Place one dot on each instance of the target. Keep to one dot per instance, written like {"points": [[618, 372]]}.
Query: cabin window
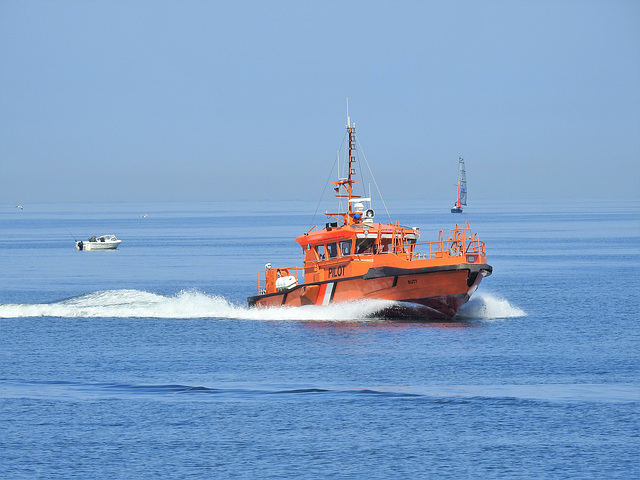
{"points": [[320, 250], [345, 247], [332, 249], [311, 253], [365, 245]]}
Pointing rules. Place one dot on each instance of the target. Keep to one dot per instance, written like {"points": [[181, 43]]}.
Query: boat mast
{"points": [[352, 147], [347, 183]]}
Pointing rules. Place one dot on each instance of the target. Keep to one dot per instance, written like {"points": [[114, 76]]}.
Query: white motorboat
{"points": [[104, 242]]}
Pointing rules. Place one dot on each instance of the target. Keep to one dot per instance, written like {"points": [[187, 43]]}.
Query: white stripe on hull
{"points": [[327, 293]]}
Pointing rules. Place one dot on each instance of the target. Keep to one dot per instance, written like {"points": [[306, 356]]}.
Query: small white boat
{"points": [[104, 242]]}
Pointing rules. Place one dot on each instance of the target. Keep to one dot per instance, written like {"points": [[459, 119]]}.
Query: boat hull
{"points": [[97, 245], [456, 210], [424, 293]]}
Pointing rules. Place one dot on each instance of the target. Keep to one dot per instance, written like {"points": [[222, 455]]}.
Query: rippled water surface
{"points": [[145, 362]]}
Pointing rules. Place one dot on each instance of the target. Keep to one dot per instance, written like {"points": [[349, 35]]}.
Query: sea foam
{"points": [[488, 306], [195, 304]]}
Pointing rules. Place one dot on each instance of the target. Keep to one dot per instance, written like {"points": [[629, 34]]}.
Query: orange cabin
{"points": [[352, 249]]}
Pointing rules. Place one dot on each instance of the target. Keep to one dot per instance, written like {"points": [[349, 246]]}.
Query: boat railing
{"points": [[276, 273], [461, 241], [449, 248]]}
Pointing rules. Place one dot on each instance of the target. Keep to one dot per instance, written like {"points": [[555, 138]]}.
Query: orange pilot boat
{"points": [[355, 258]]}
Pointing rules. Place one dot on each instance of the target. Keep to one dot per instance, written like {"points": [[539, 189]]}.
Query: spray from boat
{"points": [[188, 304]]}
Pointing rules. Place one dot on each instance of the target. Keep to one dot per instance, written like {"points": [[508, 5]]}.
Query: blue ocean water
{"points": [[145, 362]]}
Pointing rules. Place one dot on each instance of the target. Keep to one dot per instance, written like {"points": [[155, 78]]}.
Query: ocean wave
{"points": [[510, 393]]}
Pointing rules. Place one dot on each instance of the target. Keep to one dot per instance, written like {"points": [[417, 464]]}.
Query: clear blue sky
{"points": [[214, 100]]}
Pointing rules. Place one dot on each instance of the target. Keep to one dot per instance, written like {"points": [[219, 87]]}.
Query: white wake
{"points": [[185, 304], [195, 304], [488, 306]]}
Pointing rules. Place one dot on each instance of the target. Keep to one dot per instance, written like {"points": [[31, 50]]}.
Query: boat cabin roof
{"points": [[333, 233], [105, 238]]}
